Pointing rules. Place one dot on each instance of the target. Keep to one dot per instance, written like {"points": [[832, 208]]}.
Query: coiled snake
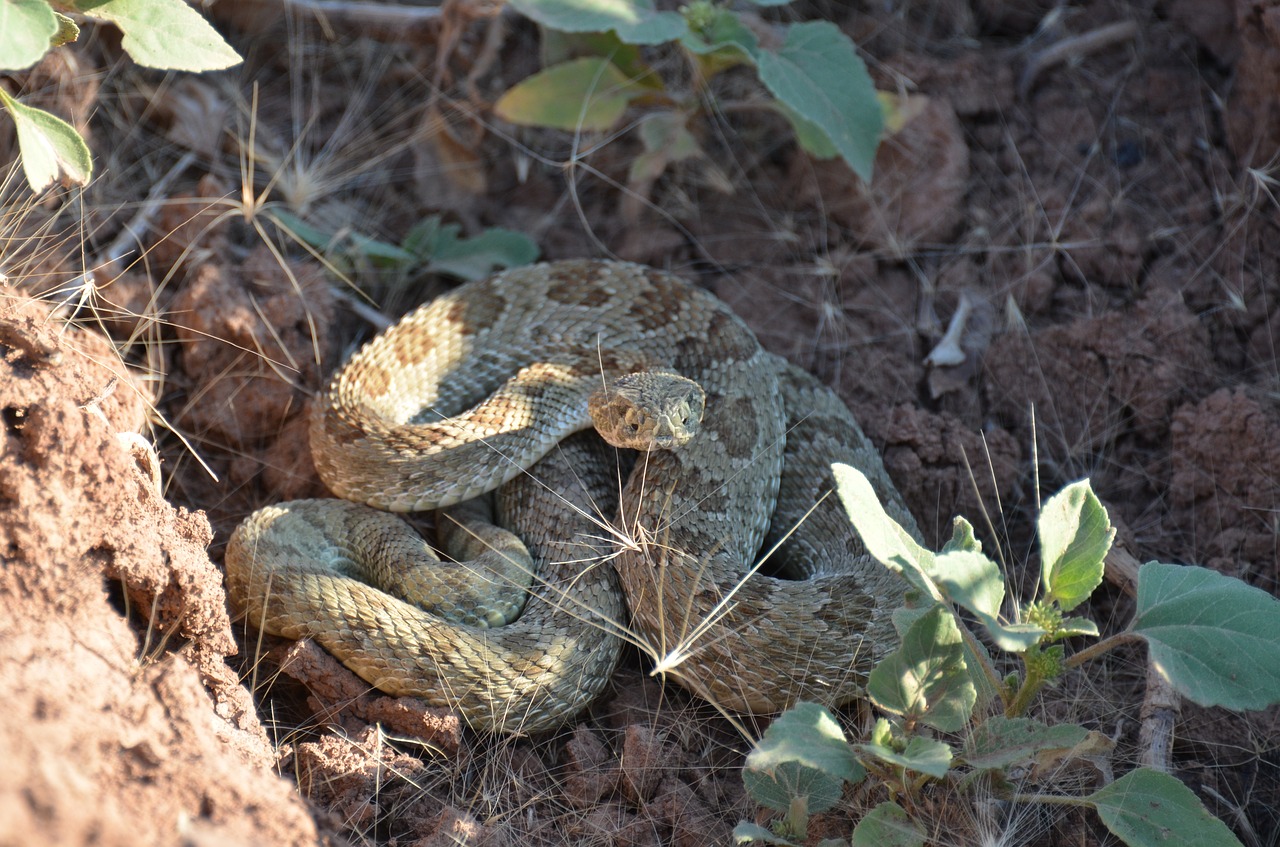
{"points": [[474, 392]]}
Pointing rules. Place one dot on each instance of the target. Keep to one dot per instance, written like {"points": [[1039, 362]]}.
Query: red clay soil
{"points": [[1107, 225]]}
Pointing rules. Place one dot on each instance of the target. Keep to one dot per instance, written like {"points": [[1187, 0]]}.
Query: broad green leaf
{"points": [[962, 539], [443, 250], [904, 618], [51, 149], [165, 34], [351, 243], [26, 28], [803, 754], [581, 94], [927, 679], [813, 138], [1076, 626], [970, 580], [297, 228], [635, 21], [1075, 536], [1012, 637], [382, 253], [887, 825], [475, 258], [1001, 741], [746, 832], [1215, 638], [923, 755], [716, 29], [1147, 808], [557, 47], [884, 538], [975, 583], [819, 75]]}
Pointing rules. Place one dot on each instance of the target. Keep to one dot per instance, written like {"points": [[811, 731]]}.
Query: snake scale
{"points": [[481, 390]]}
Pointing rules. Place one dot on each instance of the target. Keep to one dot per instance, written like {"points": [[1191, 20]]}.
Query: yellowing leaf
{"points": [[582, 94], [50, 147], [900, 109]]}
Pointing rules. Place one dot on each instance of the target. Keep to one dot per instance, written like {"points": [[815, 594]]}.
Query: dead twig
{"points": [[1160, 704], [1072, 48]]}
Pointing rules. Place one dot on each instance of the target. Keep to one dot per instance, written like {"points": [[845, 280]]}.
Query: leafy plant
{"points": [[431, 246], [165, 34], [1216, 640], [595, 70]]}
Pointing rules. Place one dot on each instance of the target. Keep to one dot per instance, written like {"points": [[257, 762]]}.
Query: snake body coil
{"points": [[466, 394]]}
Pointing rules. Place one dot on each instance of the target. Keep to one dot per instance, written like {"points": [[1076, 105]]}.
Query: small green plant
{"points": [[594, 70], [430, 246], [1216, 640], [165, 34]]}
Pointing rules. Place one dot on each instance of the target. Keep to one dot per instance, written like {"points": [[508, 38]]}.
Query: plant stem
{"points": [[1032, 684], [1090, 653], [1048, 799]]}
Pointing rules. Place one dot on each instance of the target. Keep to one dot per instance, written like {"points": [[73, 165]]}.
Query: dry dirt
{"points": [[1108, 223]]}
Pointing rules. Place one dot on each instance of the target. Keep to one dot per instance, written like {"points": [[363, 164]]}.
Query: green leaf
{"points": [[927, 679], [557, 47], [962, 539], [970, 580], [746, 832], [1076, 626], [26, 29], [882, 733], [51, 148], [1075, 535], [443, 250], [778, 787], [819, 75], [165, 34], [813, 138], [350, 243], [1147, 808], [974, 582], [923, 755], [884, 538], [803, 754], [1216, 639], [887, 825], [1013, 637], [476, 258], [714, 29], [635, 21], [1001, 741], [582, 94]]}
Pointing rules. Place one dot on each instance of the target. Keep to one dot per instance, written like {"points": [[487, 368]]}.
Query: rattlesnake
{"points": [[469, 391]]}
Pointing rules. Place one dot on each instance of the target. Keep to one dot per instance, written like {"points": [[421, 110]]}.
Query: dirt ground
{"points": [[1096, 201]]}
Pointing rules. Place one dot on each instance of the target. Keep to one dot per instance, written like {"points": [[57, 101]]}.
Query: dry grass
{"points": [[333, 132]]}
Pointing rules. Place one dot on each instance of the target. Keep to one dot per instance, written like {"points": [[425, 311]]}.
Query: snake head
{"points": [[652, 410]]}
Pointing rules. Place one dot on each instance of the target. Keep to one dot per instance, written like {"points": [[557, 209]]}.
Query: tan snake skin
{"points": [[468, 392]]}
